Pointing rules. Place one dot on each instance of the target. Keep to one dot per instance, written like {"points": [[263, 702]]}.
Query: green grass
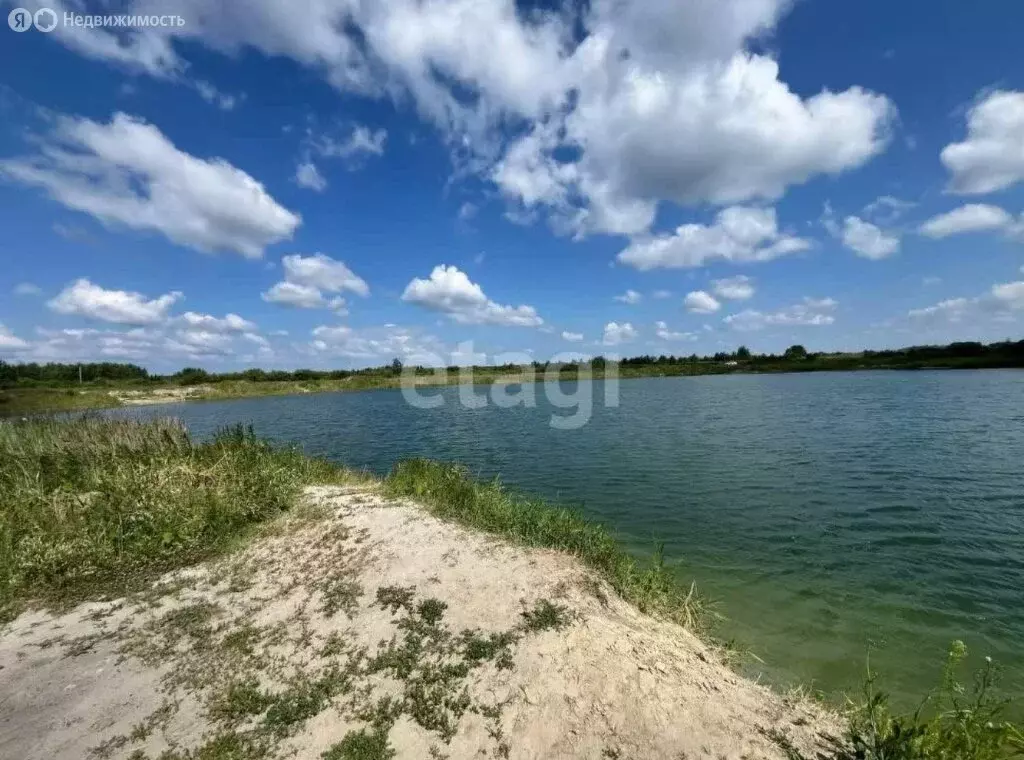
{"points": [[91, 505], [953, 722], [449, 492]]}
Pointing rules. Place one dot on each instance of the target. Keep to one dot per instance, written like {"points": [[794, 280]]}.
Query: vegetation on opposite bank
{"points": [[32, 387], [93, 506]]}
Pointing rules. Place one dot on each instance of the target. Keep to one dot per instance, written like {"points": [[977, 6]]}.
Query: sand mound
{"points": [[376, 632]]}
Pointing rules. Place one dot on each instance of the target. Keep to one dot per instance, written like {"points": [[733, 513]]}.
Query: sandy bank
{"points": [[382, 630]]}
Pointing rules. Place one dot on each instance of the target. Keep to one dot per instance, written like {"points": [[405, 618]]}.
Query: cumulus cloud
{"points": [[814, 312], [739, 234], [571, 336], [992, 155], [228, 323], [85, 299], [1001, 301], [664, 333], [627, 103], [631, 297], [308, 278], [867, 240], [972, 217], [701, 302], [614, 333], [9, 342], [738, 288], [128, 173], [451, 292], [379, 344], [309, 177]]}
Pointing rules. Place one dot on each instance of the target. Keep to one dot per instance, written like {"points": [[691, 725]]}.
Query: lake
{"points": [[829, 514]]}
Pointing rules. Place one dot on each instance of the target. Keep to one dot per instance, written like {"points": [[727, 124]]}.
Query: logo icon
{"points": [[20, 20], [45, 20]]}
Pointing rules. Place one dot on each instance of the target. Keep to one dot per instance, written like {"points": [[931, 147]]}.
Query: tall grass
{"points": [[449, 492], [953, 722], [95, 501]]}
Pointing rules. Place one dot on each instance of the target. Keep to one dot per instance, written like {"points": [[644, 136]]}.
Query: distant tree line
{"points": [[66, 374], [796, 357]]}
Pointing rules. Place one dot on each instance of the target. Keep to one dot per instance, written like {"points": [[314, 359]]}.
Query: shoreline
{"points": [[20, 401]]}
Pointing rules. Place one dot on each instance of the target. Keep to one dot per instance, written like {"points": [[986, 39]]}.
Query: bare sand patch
{"points": [[381, 630]]}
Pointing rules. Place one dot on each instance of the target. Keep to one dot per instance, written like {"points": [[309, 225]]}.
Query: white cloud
{"points": [[972, 217], [229, 323], [379, 344], [663, 332], [992, 156], [122, 307], [631, 297], [128, 173], [360, 142], [450, 291], [309, 177], [738, 288], [656, 101], [307, 278], [867, 240], [571, 336], [323, 272], [211, 94], [9, 342], [302, 297], [614, 333], [1001, 302], [27, 289], [886, 209], [738, 234], [701, 302], [811, 312], [952, 310]]}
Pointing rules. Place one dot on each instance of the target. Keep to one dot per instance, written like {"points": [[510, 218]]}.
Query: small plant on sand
{"points": [[361, 745], [545, 616]]}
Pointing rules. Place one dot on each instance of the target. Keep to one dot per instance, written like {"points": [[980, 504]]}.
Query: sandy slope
{"points": [[298, 620]]}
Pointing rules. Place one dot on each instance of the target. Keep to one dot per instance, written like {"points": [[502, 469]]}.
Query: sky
{"points": [[337, 183]]}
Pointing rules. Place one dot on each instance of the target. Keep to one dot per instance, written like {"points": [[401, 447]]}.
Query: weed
{"points": [[240, 700], [361, 745], [340, 593], [395, 598], [545, 616], [303, 700]]}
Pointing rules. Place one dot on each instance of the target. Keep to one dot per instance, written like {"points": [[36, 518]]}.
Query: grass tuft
{"points": [[449, 492], [92, 505]]}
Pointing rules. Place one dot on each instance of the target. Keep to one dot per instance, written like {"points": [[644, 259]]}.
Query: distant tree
{"points": [[396, 366], [192, 376], [796, 352], [742, 352]]}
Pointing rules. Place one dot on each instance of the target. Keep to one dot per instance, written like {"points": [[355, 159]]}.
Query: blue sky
{"points": [[336, 183]]}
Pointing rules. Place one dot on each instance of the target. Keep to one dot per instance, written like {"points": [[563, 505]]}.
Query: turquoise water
{"points": [[827, 513]]}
